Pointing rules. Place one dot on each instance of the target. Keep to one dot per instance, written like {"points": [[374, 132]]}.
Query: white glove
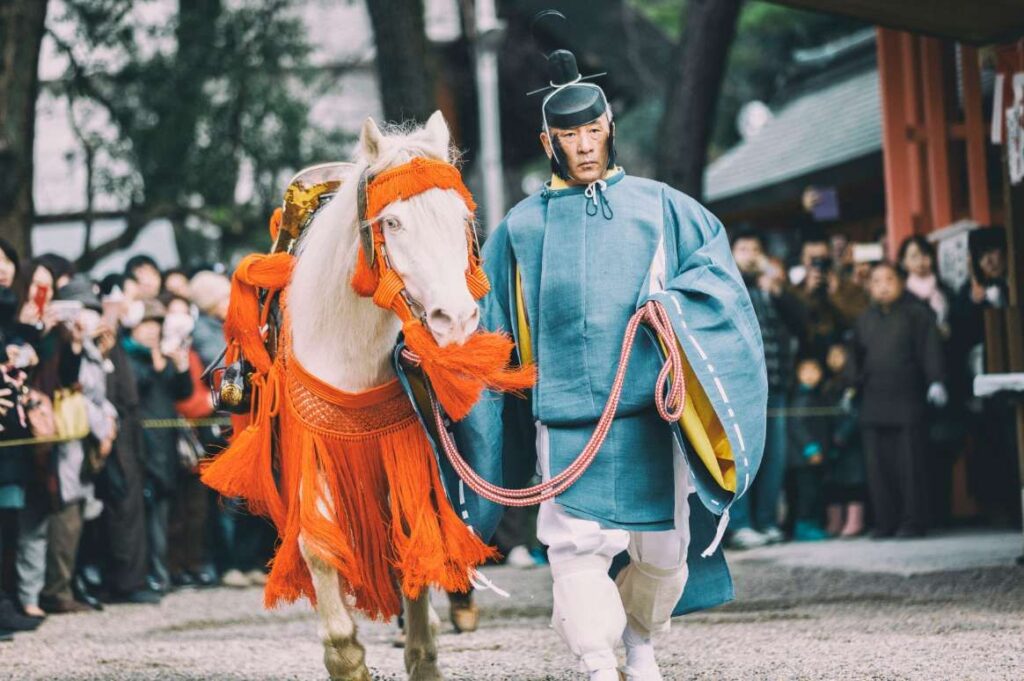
{"points": [[937, 396]]}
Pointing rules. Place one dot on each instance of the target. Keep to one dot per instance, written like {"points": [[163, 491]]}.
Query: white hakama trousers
{"points": [[590, 610]]}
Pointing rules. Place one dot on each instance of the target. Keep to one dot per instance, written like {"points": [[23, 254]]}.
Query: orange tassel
{"points": [[275, 224], [244, 321], [459, 373], [364, 280]]}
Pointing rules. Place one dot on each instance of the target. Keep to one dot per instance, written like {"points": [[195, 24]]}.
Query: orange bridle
{"points": [[374, 276]]}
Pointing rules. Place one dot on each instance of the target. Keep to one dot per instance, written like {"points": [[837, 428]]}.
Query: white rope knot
{"points": [[481, 582], [593, 188]]}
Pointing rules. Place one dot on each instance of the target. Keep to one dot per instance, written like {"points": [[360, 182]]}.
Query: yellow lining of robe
{"points": [[704, 430], [700, 423], [525, 342]]}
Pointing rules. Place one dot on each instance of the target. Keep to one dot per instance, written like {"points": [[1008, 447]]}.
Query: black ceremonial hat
{"points": [[571, 103]]}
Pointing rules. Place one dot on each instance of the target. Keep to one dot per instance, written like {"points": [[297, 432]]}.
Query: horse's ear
{"points": [[437, 128], [370, 140]]}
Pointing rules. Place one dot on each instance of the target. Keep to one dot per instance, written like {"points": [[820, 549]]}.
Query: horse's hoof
{"points": [[465, 618], [346, 664], [361, 674], [425, 670]]}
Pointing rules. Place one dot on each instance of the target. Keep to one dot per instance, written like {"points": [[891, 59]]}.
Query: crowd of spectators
{"points": [[100, 497], [870, 369], [870, 365]]}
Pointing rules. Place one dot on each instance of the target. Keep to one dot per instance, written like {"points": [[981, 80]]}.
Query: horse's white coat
{"points": [[346, 341]]}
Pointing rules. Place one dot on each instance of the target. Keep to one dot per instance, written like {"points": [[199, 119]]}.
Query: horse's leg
{"points": [[420, 643], [344, 656]]}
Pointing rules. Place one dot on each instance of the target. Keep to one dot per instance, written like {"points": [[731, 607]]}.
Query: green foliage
{"points": [[218, 87]]}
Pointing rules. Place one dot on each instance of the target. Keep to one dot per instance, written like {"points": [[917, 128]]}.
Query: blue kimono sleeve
{"points": [[496, 438], [708, 304]]}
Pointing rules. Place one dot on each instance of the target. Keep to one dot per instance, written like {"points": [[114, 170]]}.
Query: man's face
{"points": [[885, 287], [748, 255], [993, 264], [584, 148]]}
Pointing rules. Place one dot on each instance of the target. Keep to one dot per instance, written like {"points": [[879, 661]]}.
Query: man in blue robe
{"points": [[569, 266]]}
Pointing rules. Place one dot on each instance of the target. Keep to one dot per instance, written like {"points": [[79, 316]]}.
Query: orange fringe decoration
{"points": [[412, 178], [358, 481]]}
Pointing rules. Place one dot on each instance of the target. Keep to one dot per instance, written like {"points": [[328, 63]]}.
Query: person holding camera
{"points": [[824, 322], [162, 378], [93, 419], [58, 352], [123, 480]]}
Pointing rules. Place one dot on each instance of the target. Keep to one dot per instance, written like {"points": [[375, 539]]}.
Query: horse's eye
{"points": [[391, 224]]}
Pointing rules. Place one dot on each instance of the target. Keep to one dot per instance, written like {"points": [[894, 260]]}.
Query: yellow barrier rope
{"points": [[148, 424]]}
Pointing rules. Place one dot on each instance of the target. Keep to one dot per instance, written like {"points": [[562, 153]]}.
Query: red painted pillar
{"points": [[895, 144]]}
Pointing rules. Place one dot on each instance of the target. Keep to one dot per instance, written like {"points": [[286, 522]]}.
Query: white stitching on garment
{"points": [[721, 390], [700, 350], [743, 445]]}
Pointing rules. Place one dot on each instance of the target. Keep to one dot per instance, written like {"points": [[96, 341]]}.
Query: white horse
{"points": [[347, 341]]}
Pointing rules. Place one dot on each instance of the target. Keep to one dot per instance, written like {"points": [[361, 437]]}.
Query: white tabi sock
{"points": [[605, 675], [640, 662]]}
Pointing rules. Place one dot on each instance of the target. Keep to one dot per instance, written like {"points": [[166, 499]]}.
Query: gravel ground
{"points": [[788, 623]]}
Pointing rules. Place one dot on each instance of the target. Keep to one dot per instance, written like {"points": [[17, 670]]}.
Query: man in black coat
{"points": [[898, 365]]}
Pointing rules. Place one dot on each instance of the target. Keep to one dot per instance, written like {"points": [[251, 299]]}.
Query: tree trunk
{"points": [[403, 63], [708, 27], [22, 23]]}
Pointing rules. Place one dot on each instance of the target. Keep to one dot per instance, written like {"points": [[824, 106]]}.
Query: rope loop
{"points": [[669, 398]]}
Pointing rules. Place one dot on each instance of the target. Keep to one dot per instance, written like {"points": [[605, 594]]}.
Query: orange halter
{"points": [[458, 374], [374, 276]]}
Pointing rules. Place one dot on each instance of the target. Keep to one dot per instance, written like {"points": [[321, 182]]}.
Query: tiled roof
{"points": [[816, 130]]}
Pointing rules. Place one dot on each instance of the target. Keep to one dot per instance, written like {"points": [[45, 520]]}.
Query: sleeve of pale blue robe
{"points": [[496, 437], [718, 331]]}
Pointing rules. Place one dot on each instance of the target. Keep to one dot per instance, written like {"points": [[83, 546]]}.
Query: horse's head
{"points": [[425, 235]]}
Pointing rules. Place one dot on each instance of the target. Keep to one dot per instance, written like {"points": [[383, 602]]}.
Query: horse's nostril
{"points": [[439, 319]]}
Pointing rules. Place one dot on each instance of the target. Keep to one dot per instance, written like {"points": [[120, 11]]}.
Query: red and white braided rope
{"points": [[669, 402]]}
